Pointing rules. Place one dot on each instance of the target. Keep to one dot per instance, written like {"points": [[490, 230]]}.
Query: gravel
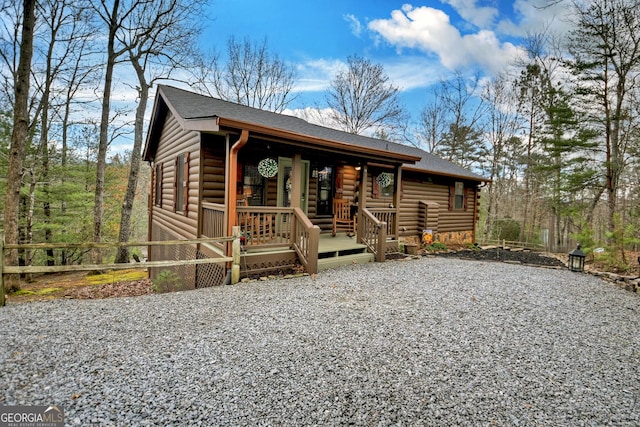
{"points": [[431, 341]]}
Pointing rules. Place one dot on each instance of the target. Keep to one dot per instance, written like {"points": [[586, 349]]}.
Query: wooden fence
{"points": [[28, 269]]}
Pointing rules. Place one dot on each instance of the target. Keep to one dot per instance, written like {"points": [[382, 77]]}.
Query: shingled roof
{"points": [[192, 106]]}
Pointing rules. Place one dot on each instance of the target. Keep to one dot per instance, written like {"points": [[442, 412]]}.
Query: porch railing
{"points": [[265, 226], [387, 215], [374, 234], [305, 240], [213, 221]]}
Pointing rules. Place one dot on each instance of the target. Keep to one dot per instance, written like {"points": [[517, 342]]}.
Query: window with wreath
{"points": [[383, 185]]}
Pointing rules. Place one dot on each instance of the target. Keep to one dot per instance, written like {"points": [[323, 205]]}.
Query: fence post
{"points": [[235, 254], [2, 299]]}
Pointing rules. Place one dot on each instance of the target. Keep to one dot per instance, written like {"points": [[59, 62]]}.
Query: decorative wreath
{"points": [[268, 167], [384, 179]]}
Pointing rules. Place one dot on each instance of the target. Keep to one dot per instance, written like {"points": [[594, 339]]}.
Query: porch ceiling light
{"points": [[576, 259]]}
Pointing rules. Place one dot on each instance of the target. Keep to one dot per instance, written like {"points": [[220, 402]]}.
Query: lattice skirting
{"points": [[190, 276], [248, 268]]}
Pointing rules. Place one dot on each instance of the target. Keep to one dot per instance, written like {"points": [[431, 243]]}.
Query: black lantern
{"points": [[576, 259]]}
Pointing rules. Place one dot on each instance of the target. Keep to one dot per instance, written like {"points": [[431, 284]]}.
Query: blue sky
{"points": [[417, 43]]}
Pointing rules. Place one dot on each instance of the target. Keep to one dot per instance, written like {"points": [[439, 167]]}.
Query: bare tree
{"points": [[112, 17], [252, 75], [502, 124], [61, 21], [363, 99], [156, 47], [451, 122], [433, 121], [21, 123]]}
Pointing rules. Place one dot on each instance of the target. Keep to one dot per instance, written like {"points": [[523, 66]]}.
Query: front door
{"points": [[284, 183]]}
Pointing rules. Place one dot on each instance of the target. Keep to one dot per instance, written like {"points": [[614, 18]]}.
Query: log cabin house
{"points": [[301, 194]]}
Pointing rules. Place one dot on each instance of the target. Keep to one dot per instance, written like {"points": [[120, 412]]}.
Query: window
{"points": [[181, 184], [387, 187], [253, 186], [383, 185], [179, 189], [325, 184], [458, 199], [158, 191]]}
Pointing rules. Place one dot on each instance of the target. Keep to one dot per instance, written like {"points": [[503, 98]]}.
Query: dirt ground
{"points": [[80, 285]]}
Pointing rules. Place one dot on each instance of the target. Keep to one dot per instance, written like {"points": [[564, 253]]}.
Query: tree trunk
{"points": [[127, 206], [103, 145], [18, 138]]}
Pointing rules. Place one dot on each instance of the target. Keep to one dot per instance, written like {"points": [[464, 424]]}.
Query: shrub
{"points": [[506, 229], [167, 281], [436, 247]]}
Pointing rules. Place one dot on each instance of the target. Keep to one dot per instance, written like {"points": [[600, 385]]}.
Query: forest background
{"points": [[556, 133]]}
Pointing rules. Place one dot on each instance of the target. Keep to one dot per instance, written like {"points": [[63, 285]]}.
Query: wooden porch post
{"points": [[314, 242], [397, 198], [362, 201], [296, 181]]}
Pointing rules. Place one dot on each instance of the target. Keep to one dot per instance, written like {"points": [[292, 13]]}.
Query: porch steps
{"points": [[337, 261], [341, 250]]}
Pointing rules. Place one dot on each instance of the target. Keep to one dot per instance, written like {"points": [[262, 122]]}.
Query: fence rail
{"points": [[512, 243], [27, 269]]}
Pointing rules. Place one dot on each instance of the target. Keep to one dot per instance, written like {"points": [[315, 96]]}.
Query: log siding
{"points": [[416, 189], [173, 143]]}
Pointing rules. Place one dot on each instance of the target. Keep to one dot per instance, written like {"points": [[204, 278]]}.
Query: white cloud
{"points": [[354, 24], [314, 115], [532, 16], [316, 75], [411, 72], [480, 16], [431, 31]]}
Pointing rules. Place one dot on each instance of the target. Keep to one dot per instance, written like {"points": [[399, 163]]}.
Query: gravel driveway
{"points": [[432, 341]]}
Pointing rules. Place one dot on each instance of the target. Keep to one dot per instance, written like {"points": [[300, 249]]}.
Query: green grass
{"points": [[37, 292], [116, 276]]}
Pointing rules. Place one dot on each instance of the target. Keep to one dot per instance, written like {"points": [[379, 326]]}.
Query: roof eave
{"points": [[336, 145], [411, 168], [202, 124]]}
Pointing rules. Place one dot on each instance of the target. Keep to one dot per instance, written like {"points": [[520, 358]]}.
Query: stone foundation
{"points": [[448, 238], [454, 237]]}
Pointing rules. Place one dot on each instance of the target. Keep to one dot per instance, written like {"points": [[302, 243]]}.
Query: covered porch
{"points": [[280, 189], [279, 238]]}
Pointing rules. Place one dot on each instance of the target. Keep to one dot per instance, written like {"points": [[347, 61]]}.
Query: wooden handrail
{"points": [[387, 215], [305, 240], [374, 234]]}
